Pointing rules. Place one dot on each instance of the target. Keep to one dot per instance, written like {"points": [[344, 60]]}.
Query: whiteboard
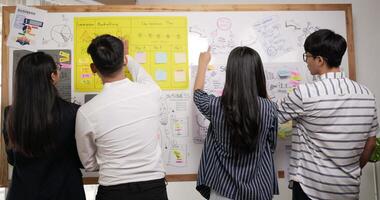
{"points": [[276, 32]]}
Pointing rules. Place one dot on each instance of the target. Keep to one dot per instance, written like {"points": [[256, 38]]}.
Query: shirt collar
{"points": [[115, 83], [329, 75]]}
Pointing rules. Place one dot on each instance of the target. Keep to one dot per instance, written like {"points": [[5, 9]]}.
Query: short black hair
{"points": [[327, 44], [107, 53]]}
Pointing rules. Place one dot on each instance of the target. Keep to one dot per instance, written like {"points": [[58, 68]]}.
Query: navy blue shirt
{"points": [[237, 175]]}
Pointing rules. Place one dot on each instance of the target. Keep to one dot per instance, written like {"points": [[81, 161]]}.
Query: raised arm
{"points": [[139, 74], [290, 107], [204, 60], [137, 71]]}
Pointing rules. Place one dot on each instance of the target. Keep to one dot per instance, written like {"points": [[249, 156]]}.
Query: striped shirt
{"points": [[222, 169], [334, 116]]}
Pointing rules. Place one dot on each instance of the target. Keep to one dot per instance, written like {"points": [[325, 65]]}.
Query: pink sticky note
{"points": [[140, 57], [85, 75], [65, 65]]}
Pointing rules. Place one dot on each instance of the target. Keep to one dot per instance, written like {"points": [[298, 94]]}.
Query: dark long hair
{"points": [[245, 82], [31, 119]]}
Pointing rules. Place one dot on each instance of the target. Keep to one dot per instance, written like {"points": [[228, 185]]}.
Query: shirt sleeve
{"points": [[202, 100], [10, 157], [375, 125], [138, 72], [273, 133], [85, 140], [290, 107]]}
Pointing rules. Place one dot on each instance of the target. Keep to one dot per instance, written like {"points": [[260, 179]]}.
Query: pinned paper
{"points": [[161, 57], [161, 75], [65, 56], [180, 57], [27, 27], [179, 76], [140, 57]]}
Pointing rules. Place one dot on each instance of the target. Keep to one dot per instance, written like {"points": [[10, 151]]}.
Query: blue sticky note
{"points": [[161, 57], [283, 73], [161, 75]]}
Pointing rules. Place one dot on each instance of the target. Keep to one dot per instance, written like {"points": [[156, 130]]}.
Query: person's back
{"points": [[237, 157], [40, 172], [338, 125], [335, 128], [118, 130], [124, 120]]}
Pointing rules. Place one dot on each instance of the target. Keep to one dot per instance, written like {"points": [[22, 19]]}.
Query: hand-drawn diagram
{"points": [[305, 32], [300, 29], [61, 34], [272, 37], [174, 120], [221, 39], [196, 30]]}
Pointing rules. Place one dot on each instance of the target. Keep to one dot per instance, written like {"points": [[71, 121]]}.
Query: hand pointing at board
{"points": [[204, 60]]}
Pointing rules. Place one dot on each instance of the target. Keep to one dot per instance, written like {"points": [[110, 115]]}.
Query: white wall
{"points": [[366, 16]]}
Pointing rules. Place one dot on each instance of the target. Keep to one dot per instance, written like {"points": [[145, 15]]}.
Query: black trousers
{"points": [[298, 193], [144, 190]]}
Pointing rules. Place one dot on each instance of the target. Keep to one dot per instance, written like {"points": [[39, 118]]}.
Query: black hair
{"points": [[245, 83], [327, 44], [107, 53], [31, 117]]}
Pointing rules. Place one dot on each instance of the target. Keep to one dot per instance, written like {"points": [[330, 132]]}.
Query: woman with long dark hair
{"points": [[237, 158], [39, 135]]}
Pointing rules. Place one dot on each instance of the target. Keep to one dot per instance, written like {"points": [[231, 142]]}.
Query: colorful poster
{"points": [[27, 28], [158, 43]]}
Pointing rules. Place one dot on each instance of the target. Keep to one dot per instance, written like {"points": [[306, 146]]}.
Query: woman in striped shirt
{"points": [[237, 158]]}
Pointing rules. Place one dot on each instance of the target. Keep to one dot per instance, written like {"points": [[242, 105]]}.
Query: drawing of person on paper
{"points": [[222, 38], [273, 36]]}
